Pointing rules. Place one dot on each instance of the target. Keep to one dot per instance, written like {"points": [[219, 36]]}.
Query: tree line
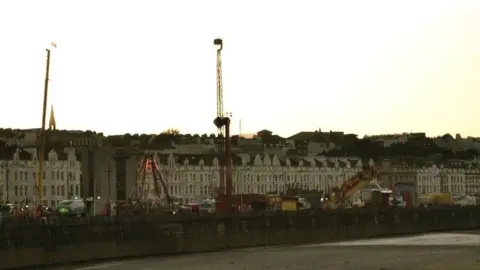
{"points": [[421, 148]]}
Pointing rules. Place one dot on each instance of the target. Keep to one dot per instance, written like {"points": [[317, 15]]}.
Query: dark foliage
{"points": [[413, 148]]}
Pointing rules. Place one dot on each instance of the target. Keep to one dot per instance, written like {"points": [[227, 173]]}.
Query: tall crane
{"points": [[41, 155], [220, 139], [222, 122], [219, 43]]}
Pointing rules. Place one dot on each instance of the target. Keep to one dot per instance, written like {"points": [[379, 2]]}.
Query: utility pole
{"points": [[7, 183], [7, 186], [108, 171], [240, 129], [69, 194]]}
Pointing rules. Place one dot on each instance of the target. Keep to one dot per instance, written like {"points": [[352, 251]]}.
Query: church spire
{"points": [[52, 125]]}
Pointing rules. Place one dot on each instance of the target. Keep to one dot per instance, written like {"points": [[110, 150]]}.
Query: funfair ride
{"points": [[147, 196]]}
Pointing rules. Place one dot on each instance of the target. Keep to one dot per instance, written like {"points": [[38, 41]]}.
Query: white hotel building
{"points": [[18, 177], [195, 177]]}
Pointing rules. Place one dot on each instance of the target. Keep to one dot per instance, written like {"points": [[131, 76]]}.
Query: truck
{"points": [[376, 197], [253, 202], [294, 203], [436, 199], [408, 193]]}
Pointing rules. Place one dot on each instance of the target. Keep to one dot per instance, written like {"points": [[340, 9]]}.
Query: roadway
{"points": [[439, 251]]}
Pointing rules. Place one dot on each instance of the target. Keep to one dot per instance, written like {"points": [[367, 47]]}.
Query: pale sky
{"points": [[365, 67]]}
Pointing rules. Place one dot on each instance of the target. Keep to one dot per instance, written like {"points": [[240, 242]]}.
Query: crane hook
{"points": [[218, 42]]}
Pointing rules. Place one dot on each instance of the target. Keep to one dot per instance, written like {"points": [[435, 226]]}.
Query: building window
{"points": [[52, 190]]}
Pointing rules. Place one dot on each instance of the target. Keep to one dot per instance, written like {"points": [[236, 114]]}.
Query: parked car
{"points": [[72, 208]]}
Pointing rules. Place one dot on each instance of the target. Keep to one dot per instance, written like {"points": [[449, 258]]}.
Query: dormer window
{"points": [[16, 156], [52, 157]]}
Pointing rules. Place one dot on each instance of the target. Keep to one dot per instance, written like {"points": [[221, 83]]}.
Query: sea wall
{"points": [[30, 243]]}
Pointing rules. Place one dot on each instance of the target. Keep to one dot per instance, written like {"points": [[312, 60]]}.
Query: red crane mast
{"points": [[222, 122]]}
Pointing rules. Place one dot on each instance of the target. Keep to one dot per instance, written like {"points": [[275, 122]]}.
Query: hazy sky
{"points": [[366, 67]]}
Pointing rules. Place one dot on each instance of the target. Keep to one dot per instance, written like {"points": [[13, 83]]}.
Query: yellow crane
{"points": [[349, 187], [41, 154]]}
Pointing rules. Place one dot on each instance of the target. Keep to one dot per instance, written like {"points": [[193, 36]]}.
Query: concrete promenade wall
{"points": [[29, 243]]}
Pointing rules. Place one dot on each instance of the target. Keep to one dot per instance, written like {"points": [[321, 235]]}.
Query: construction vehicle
{"points": [[208, 206], [408, 192], [294, 203], [437, 199], [373, 195], [340, 196], [274, 202], [464, 200], [377, 198], [289, 204], [443, 199], [72, 208]]}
